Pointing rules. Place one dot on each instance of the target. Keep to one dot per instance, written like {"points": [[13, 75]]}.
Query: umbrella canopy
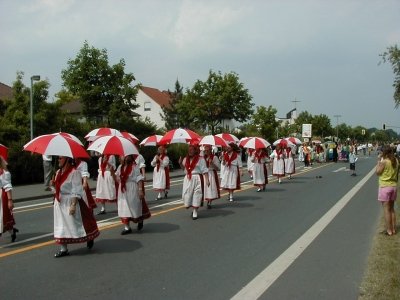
{"points": [[152, 140], [179, 135], [283, 143], [213, 141], [243, 141], [71, 136], [228, 137], [113, 145], [95, 133], [56, 144], [130, 137], [294, 140], [256, 143], [4, 152]]}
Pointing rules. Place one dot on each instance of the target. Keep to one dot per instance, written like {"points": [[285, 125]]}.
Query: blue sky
{"points": [[324, 54]]}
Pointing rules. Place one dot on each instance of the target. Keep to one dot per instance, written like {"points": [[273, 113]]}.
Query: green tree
{"points": [[321, 125], [264, 123], [392, 55], [221, 97], [102, 89], [304, 118], [171, 115]]}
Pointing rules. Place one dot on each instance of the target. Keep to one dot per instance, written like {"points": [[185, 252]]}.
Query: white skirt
{"points": [[212, 192], [192, 193], [105, 189]]}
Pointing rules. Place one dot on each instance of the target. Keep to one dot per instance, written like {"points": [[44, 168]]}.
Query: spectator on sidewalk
{"points": [[388, 171], [47, 171], [7, 221], [352, 160]]}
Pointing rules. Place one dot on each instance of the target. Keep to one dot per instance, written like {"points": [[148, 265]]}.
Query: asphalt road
{"points": [[235, 249]]}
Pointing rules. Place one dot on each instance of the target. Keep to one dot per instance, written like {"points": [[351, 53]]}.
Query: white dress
{"points": [[289, 162], [80, 227], [231, 177], [211, 192], [87, 195], [105, 189], [278, 165], [129, 204], [192, 192], [6, 218], [161, 174], [260, 176]]}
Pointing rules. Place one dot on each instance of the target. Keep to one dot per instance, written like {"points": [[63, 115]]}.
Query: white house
{"points": [[151, 101]]}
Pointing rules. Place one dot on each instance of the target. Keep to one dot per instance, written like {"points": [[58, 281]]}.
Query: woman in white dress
{"points": [[290, 167], [106, 188], [232, 163], [131, 201], [73, 220], [278, 164], [196, 175], [212, 191], [87, 196], [250, 163], [260, 175], [161, 181], [7, 221]]}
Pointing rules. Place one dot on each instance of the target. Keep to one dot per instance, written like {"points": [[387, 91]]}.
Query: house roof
{"points": [[6, 91], [162, 98]]}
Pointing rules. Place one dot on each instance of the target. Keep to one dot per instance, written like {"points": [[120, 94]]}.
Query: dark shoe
{"points": [[14, 235], [126, 231], [166, 195], [140, 226], [61, 254], [90, 244], [208, 205], [47, 189], [102, 212]]}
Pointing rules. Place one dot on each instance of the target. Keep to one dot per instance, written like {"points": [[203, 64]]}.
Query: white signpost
{"points": [[306, 130]]}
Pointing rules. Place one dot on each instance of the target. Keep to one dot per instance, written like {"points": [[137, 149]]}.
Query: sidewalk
{"points": [[36, 191]]}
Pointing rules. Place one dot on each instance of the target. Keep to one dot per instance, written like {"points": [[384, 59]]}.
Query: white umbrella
{"points": [[152, 140], [95, 133], [113, 145], [213, 141]]}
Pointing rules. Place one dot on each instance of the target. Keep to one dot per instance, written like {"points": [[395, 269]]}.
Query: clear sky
{"points": [[324, 54]]}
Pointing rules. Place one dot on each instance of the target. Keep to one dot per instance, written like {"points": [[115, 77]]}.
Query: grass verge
{"points": [[382, 276]]}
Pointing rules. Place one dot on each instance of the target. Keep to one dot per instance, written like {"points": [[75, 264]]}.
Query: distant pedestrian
{"points": [[290, 167], [47, 171], [231, 163], [132, 205], [196, 176], [73, 219], [335, 152], [388, 171], [106, 189], [161, 179], [352, 160], [7, 221], [212, 191], [278, 164], [260, 174]]}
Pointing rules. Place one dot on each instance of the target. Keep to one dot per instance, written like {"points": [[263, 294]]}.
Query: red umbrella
{"points": [[294, 140], [213, 141], [71, 136], [95, 133], [113, 145], [243, 141], [256, 143], [130, 137], [284, 143], [228, 137], [56, 144], [4, 152], [152, 140], [179, 136]]}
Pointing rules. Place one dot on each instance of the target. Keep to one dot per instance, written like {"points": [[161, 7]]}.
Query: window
{"points": [[147, 106]]}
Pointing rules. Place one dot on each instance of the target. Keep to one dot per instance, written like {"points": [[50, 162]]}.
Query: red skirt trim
{"points": [[8, 218]]}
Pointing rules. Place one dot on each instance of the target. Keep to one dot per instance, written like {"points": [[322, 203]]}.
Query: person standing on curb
{"points": [[388, 171], [47, 171]]}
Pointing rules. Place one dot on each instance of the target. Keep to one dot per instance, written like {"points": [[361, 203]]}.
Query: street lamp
{"points": [[337, 126], [33, 78]]}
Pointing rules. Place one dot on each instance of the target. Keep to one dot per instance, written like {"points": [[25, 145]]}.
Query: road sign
{"points": [[306, 130]]}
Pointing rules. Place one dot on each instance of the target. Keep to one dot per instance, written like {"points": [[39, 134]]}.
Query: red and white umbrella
{"points": [[213, 141], [294, 140], [95, 133], [57, 145], [242, 141], [228, 137], [113, 145], [256, 143], [179, 135], [130, 137], [4, 152], [284, 143], [71, 136], [152, 140]]}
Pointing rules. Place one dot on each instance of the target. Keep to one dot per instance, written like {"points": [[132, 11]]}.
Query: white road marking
{"points": [[340, 169], [255, 288]]}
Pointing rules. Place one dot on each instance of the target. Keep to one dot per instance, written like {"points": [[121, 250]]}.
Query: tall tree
{"points": [[265, 123], [102, 89], [321, 125], [170, 114], [221, 97], [392, 55]]}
